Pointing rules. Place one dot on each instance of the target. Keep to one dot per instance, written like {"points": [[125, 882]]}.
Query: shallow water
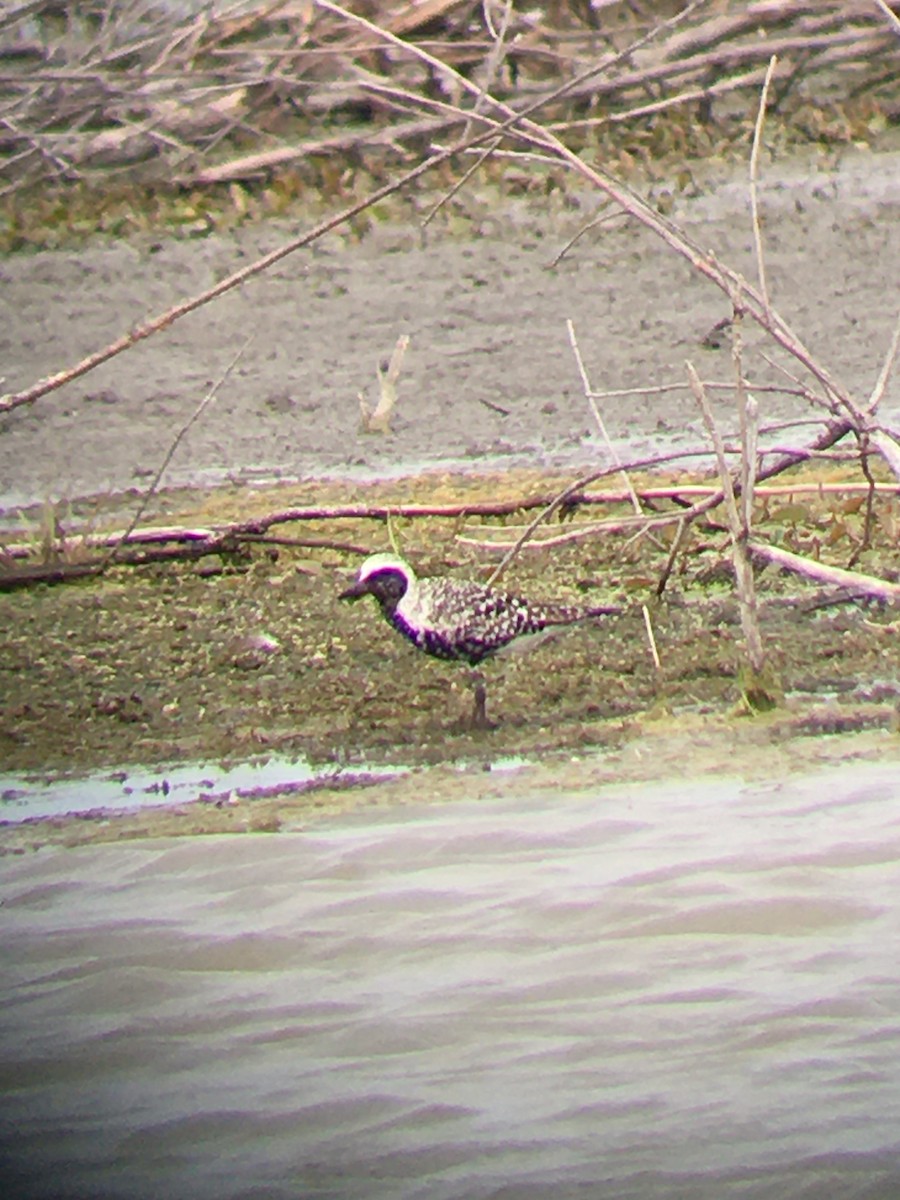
{"points": [[688, 989], [51, 794]]}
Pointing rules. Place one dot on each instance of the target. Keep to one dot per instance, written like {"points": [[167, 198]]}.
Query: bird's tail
{"points": [[571, 614], [604, 610]]}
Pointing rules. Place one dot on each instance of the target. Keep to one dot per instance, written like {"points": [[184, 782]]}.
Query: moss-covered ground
{"points": [[223, 658]]}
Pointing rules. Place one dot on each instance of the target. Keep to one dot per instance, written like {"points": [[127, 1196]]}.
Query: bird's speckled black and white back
{"points": [[454, 618]]}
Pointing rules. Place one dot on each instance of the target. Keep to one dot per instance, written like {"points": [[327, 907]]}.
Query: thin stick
{"points": [[392, 535], [706, 93], [711, 385], [754, 172], [626, 478], [483, 156], [743, 569], [595, 411], [651, 638], [680, 531], [893, 19], [718, 445], [603, 218], [869, 521], [198, 411], [885, 373]]}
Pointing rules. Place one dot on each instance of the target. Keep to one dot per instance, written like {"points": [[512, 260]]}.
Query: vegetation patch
{"points": [[231, 655]]}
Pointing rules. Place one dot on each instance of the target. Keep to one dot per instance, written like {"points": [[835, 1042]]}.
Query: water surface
{"points": [[689, 989]]}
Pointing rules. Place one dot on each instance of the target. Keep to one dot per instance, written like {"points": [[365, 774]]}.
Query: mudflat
{"points": [[489, 377]]}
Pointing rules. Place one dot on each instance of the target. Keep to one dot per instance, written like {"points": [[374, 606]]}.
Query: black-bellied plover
{"points": [[458, 618]]}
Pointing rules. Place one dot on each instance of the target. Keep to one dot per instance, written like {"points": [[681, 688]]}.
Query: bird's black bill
{"points": [[354, 593]]}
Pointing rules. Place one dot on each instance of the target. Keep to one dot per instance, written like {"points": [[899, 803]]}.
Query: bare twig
{"points": [[869, 522], [754, 171], [603, 218], [595, 412], [755, 691], [884, 374], [170, 453], [892, 18], [460, 183], [680, 530], [711, 385]]}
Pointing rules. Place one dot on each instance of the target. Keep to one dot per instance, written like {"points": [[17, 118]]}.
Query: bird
{"points": [[459, 619]]}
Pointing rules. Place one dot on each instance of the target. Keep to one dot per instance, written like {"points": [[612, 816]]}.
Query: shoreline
{"points": [[698, 746]]}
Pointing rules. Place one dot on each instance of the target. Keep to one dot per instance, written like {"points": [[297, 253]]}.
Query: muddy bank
{"points": [[232, 657], [489, 376], [657, 748]]}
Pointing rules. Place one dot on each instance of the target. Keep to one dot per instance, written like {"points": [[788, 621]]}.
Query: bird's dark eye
{"points": [[388, 584]]}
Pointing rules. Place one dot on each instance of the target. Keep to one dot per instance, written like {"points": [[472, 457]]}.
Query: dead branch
{"points": [[757, 693], [114, 95], [170, 453], [140, 547], [866, 585], [678, 493]]}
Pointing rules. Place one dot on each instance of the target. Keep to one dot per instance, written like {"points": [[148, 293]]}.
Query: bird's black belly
{"points": [[438, 644]]}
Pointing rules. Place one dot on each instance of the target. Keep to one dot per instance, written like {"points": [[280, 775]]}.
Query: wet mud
{"points": [[229, 659]]}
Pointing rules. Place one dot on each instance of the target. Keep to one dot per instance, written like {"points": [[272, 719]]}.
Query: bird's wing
{"points": [[498, 617]]}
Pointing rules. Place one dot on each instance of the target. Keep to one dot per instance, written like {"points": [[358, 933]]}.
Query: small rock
{"points": [[248, 653], [280, 402]]}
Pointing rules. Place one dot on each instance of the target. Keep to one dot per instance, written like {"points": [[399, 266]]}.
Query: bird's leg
{"points": [[479, 719]]}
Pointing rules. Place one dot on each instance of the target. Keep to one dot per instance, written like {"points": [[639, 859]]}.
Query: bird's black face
{"points": [[388, 586]]}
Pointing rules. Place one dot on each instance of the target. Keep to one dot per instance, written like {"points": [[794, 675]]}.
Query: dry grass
{"points": [[100, 90]]}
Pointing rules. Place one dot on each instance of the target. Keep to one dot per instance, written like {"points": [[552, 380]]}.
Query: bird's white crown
{"points": [[385, 561]]}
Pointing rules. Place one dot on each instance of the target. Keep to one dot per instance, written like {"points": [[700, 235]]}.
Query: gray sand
{"points": [[486, 321]]}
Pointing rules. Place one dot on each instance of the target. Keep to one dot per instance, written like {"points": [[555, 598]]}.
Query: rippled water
{"points": [[686, 990]]}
